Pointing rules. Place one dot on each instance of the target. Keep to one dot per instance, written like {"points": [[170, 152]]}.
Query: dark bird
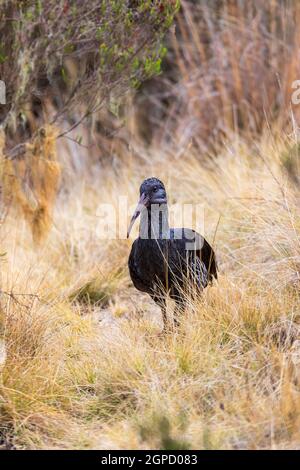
{"points": [[166, 260]]}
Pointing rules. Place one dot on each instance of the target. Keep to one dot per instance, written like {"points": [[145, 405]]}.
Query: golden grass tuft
{"points": [[31, 183], [80, 374]]}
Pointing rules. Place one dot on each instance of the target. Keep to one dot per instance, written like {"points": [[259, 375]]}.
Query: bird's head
{"points": [[152, 191]]}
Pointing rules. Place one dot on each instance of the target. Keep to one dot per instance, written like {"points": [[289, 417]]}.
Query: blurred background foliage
{"points": [[123, 78], [63, 62], [230, 68], [74, 56], [225, 65]]}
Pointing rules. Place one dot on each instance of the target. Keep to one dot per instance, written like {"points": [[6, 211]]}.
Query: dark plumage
{"points": [[167, 260]]}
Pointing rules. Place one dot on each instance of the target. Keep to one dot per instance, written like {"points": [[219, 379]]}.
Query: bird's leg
{"points": [[164, 315], [180, 303], [179, 309], [161, 301]]}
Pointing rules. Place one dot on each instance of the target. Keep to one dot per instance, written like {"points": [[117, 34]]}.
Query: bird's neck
{"points": [[155, 222]]}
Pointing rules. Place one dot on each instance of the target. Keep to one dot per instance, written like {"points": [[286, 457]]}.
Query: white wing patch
{"points": [[198, 272]]}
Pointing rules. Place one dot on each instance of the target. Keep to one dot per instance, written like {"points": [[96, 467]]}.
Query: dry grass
{"points": [[86, 366], [231, 68], [31, 183]]}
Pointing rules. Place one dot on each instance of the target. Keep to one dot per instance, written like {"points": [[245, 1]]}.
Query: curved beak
{"points": [[143, 202]]}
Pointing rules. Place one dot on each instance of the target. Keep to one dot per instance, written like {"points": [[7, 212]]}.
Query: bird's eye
{"points": [[155, 188]]}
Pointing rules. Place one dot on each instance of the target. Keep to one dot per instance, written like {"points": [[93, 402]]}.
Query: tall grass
{"points": [[82, 360], [94, 374], [231, 69]]}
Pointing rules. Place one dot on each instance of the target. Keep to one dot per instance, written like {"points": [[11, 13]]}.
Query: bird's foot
{"points": [[167, 329]]}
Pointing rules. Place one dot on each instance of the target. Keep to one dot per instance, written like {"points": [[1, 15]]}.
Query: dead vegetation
{"points": [[30, 183], [93, 372], [82, 361]]}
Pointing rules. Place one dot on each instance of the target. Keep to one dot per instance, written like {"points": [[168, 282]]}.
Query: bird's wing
{"points": [[207, 255], [194, 242], [199, 272]]}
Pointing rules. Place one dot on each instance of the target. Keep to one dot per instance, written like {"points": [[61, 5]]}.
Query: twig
{"points": [[12, 295], [79, 143], [77, 123]]}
